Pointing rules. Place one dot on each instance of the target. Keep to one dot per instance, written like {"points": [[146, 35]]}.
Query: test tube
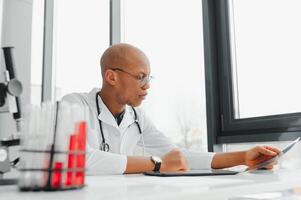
{"points": [[57, 175], [70, 177], [80, 161]]}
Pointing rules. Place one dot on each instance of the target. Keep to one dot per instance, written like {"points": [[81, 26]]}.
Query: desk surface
{"points": [[133, 187]]}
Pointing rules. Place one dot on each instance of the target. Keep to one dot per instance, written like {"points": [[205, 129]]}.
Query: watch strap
{"points": [[157, 162], [157, 166]]}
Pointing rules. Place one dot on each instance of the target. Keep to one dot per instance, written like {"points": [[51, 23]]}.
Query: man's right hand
{"points": [[174, 161]]}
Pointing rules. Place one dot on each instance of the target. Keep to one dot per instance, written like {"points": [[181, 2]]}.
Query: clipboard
{"points": [[206, 172]]}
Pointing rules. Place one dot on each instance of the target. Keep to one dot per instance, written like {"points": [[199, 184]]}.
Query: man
{"points": [[117, 126]]}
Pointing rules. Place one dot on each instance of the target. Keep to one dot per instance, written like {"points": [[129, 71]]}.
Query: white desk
{"points": [[133, 187]]}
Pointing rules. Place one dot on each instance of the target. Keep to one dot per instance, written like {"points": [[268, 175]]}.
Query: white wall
{"points": [[16, 18]]}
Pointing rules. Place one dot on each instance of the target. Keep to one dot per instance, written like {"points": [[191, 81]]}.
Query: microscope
{"points": [[10, 91]]}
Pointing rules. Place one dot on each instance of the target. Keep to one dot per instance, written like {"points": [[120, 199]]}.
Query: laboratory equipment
{"points": [[10, 91]]}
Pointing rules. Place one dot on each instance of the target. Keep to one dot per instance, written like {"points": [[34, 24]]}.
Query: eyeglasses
{"points": [[143, 80]]}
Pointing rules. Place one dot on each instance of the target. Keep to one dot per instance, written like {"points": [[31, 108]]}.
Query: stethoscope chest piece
{"points": [[104, 147]]}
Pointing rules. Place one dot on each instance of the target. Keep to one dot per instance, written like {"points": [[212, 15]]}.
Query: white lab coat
{"points": [[125, 138]]}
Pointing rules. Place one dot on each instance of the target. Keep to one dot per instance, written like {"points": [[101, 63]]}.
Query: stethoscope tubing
{"points": [[104, 145]]}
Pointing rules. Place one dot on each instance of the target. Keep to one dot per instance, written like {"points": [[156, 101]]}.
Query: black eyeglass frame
{"points": [[142, 80]]}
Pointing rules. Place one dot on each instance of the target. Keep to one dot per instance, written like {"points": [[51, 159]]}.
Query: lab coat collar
{"points": [[106, 116], [128, 118]]}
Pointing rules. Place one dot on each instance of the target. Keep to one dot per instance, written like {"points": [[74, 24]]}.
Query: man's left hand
{"points": [[260, 154]]}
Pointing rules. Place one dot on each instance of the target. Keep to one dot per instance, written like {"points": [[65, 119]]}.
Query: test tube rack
{"points": [[55, 176]]}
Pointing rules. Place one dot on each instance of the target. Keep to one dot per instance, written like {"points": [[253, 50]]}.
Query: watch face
{"points": [[156, 159]]}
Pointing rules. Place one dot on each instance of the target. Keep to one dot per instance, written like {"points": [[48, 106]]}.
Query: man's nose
{"points": [[146, 86]]}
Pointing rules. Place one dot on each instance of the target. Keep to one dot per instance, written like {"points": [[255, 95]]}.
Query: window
{"points": [[266, 55], [37, 51], [171, 35], [252, 66], [81, 34]]}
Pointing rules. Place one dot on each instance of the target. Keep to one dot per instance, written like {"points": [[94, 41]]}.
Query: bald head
{"points": [[122, 56], [126, 74]]}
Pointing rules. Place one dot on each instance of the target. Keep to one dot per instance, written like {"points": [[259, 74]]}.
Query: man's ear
{"points": [[110, 77]]}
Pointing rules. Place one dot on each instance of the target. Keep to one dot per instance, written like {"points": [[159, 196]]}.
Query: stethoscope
{"points": [[105, 146]]}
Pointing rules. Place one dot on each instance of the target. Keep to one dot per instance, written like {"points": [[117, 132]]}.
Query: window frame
{"points": [[48, 85], [222, 125]]}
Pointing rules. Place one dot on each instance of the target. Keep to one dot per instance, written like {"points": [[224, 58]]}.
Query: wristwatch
{"points": [[157, 162]]}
